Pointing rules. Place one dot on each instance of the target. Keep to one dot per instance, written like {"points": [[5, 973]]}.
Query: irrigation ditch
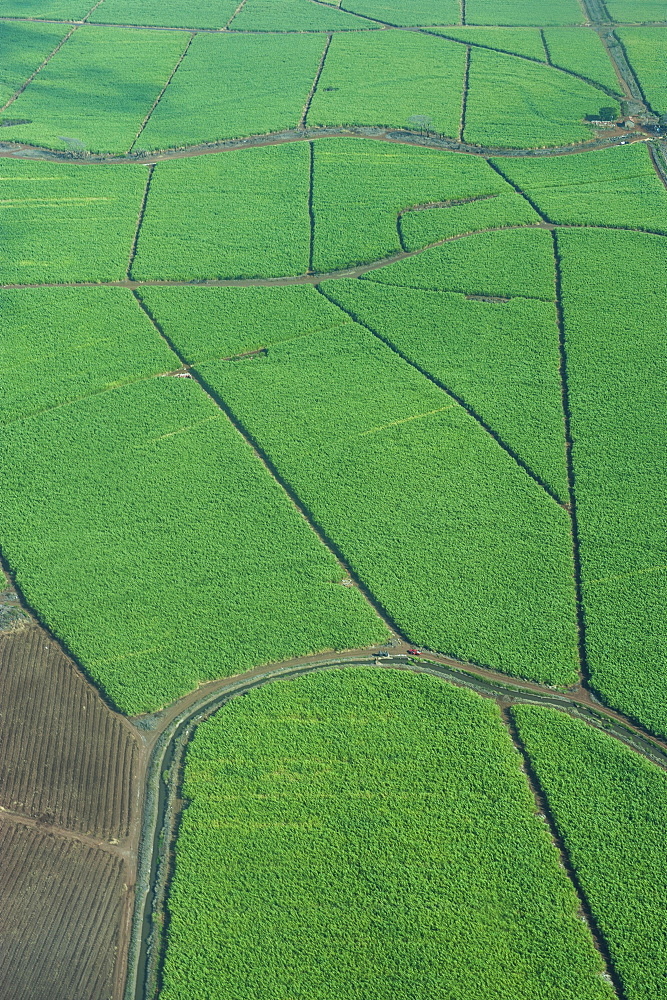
{"points": [[173, 730]]}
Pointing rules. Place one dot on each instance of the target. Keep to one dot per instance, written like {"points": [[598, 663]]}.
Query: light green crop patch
{"points": [[62, 222], [467, 554], [386, 77], [240, 215], [359, 813]]}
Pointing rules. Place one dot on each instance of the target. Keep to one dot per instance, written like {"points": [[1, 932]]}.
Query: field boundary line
{"points": [[456, 398], [41, 66], [52, 829], [569, 464], [162, 92], [93, 8], [140, 219], [238, 10], [311, 206], [464, 94], [515, 187], [363, 17], [283, 483], [547, 54], [543, 807], [318, 74]]}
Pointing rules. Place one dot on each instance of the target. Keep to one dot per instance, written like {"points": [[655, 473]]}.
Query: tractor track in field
{"points": [[173, 727], [25, 151]]}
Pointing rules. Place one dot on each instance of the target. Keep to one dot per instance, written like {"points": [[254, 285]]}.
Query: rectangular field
{"points": [[581, 50], [161, 550], [647, 54], [409, 13], [295, 15], [517, 41], [240, 215], [60, 10], [466, 553], [385, 77], [60, 911], [96, 91], [235, 85], [23, 48], [65, 222], [170, 13], [523, 12]]}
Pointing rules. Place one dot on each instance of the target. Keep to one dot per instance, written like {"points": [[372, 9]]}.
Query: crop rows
{"points": [[60, 910], [610, 807], [375, 828], [66, 759]]}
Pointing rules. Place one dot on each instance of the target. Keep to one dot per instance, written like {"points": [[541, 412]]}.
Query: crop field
{"points": [[416, 12], [500, 359], [66, 759], [96, 91], [73, 10], [207, 324], [273, 72], [384, 78], [170, 13], [617, 383], [496, 211], [295, 15], [621, 188], [60, 344], [49, 887], [373, 814], [610, 805], [24, 47], [516, 41], [646, 51], [231, 223], [523, 12], [349, 455], [636, 10], [60, 222], [359, 190], [539, 105], [160, 490]]}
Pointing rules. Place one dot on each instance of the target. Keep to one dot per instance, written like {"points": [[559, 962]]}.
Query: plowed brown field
{"points": [[61, 903], [65, 758]]}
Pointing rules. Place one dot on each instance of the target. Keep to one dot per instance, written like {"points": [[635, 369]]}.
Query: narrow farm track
{"points": [[175, 725], [23, 151]]}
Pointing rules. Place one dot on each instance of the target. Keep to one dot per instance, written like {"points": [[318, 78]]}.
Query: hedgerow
{"points": [[646, 51], [519, 41], [385, 77], [415, 12], [208, 323], [610, 805], [24, 46], [96, 91], [581, 50], [614, 323], [516, 103], [273, 73], [468, 555], [61, 222], [485, 264], [240, 215], [171, 13], [500, 359], [57, 345], [506, 208], [157, 547], [294, 15], [523, 12], [366, 833], [360, 187], [609, 187]]}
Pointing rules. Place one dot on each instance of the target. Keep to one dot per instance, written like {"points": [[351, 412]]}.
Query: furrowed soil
{"points": [[66, 760], [61, 903]]}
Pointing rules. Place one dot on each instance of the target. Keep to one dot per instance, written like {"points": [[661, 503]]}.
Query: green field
{"points": [[610, 805], [646, 51], [517, 41], [617, 382], [62, 222], [581, 51], [398, 473], [177, 13], [523, 12], [235, 219], [636, 10], [57, 9], [294, 15], [377, 830], [274, 73], [415, 12], [96, 91], [23, 47]]}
